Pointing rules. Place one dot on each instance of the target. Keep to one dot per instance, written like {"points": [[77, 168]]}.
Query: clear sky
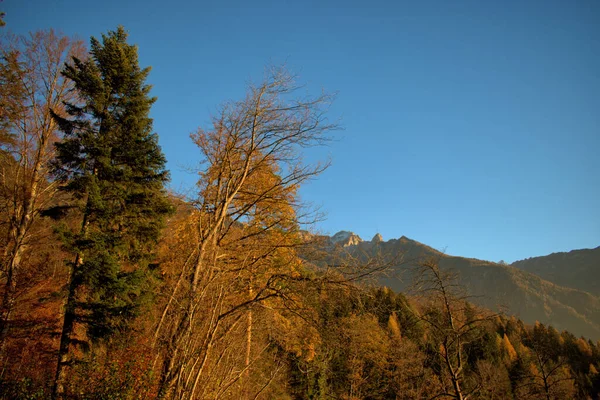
{"points": [[470, 126]]}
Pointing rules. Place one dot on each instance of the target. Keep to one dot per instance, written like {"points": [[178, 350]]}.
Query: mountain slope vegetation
{"points": [[579, 269], [498, 287]]}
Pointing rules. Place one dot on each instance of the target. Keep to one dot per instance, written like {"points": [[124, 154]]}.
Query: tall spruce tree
{"points": [[111, 164]]}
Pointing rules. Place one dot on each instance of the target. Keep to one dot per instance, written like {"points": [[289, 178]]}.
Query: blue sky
{"points": [[470, 126]]}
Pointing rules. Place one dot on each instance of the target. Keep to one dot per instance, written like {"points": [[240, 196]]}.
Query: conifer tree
{"points": [[111, 164]]}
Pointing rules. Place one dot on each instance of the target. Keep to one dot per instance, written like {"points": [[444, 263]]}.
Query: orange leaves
{"points": [[510, 350], [584, 347], [295, 335], [394, 327]]}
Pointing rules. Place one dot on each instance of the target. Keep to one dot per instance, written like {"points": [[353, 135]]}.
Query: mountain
{"points": [[507, 288], [579, 269], [346, 238]]}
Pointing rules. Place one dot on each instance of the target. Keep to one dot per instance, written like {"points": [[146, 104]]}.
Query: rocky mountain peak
{"points": [[377, 238], [346, 238]]}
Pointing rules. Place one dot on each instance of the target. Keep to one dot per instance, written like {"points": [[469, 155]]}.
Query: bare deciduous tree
{"points": [[245, 226], [452, 323], [32, 87]]}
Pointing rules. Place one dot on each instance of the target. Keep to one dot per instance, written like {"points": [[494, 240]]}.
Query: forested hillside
{"points": [[115, 288], [515, 290], [578, 269]]}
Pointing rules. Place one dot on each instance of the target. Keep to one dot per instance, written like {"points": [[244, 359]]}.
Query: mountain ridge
{"points": [[500, 287], [578, 268]]}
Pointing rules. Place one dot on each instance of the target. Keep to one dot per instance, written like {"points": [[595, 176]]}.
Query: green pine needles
{"points": [[112, 165]]}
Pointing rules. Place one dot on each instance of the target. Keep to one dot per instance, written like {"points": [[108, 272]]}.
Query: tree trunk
{"points": [[21, 223], [8, 300], [64, 359], [246, 381]]}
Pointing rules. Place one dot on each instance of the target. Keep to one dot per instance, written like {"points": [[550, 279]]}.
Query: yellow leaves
{"points": [[282, 321], [442, 350], [498, 321], [510, 350], [394, 326], [295, 335], [310, 352], [584, 347], [499, 341], [533, 371], [524, 351], [365, 338]]}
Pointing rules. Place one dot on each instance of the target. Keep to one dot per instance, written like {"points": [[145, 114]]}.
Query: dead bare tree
{"points": [[446, 314]]}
